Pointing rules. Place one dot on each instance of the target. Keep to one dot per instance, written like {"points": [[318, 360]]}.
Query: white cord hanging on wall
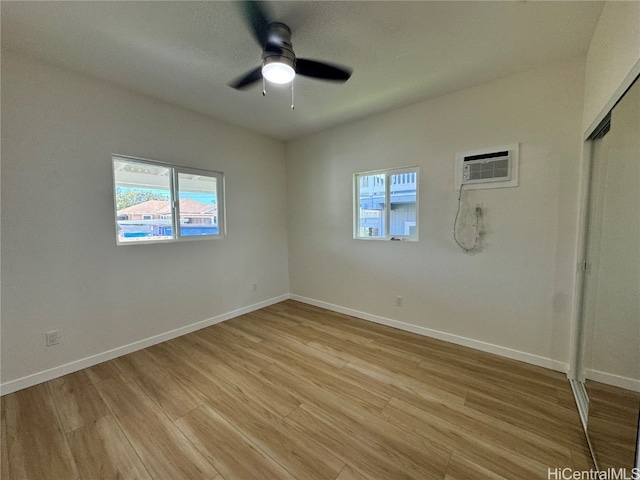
{"points": [[477, 227]]}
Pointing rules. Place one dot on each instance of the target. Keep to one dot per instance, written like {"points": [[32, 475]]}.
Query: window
{"points": [[386, 204], [158, 202]]}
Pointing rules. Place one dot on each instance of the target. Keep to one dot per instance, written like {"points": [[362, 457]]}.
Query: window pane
{"points": [[143, 201], [402, 198], [198, 195], [371, 194]]}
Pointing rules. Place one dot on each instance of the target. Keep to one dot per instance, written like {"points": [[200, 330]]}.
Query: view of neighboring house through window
{"points": [[386, 204], [197, 205], [157, 202]]}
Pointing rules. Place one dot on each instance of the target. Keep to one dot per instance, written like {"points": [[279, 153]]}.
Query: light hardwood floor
{"points": [[296, 392], [613, 424]]}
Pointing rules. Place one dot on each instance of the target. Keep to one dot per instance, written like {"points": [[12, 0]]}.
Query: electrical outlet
{"points": [[254, 287], [52, 338], [398, 301]]}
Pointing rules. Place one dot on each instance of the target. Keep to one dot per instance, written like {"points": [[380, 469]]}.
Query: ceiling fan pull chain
{"points": [[293, 107], [264, 87]]}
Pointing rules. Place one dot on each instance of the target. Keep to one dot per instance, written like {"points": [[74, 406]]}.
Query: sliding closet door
{"points": [[611, 308]]}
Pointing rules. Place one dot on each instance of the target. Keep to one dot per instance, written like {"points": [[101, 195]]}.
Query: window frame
{"points": [[174, 190], [388, 173]]}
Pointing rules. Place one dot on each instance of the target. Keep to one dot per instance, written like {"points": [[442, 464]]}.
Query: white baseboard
{"points": [[50, 374], [447, 337], [40, 377], [614, 380]]}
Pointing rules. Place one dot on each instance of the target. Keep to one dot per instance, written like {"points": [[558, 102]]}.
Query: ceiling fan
{"points": [[279, 63]]}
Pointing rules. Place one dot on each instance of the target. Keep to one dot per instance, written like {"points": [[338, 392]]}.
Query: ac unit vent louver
{"points": [[487, 167], [492, 168]]}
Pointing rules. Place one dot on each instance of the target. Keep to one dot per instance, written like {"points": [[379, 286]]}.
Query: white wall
{"points": [[516, 294], [61, 268], [613, 59]]}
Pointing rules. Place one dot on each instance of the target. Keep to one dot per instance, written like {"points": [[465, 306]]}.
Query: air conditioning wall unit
{"points": [[487, 168]]}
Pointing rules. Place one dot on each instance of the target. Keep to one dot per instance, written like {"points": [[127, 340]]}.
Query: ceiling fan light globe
{"points": [[279, 73]]}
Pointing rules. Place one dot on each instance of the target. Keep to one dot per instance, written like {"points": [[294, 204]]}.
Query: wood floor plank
{"points": [[496, 454], [293, 450], [537, 417], [504, 386], [270, 333], [252, 386], [275, 320], [239, 353], [294, 332], [102, 451], [231, 354], [322, 391], [162, 447], [171, 397], [327, 330], [4, 451], [612, 425], [381, 348], [402, 370], [349, 473], [356, 351], [581, 458], [526, 372], [329, 379], [461, 421], [297, 352], [521, 377], [230, 452], [405, 382], [485, 376], [107, 370], [236, 333], [355, 446], [431, 348], [77, 400], [173, 359], [341, 326], [350, 412], [37, 447], [327, 354], [461, 468]]}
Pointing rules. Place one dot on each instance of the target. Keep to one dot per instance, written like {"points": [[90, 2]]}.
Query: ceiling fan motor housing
{"points": [[278, 48]]}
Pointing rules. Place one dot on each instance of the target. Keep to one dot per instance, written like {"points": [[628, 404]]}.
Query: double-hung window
{"points": [[386, 204], [159, 202]]}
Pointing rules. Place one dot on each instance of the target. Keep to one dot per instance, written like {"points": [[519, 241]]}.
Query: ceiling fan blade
{"points": [[322, 71], [247, 79], [256, 17]]}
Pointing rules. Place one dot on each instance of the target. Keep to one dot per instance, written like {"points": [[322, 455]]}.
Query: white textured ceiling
{"points": [[187, 52]]}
